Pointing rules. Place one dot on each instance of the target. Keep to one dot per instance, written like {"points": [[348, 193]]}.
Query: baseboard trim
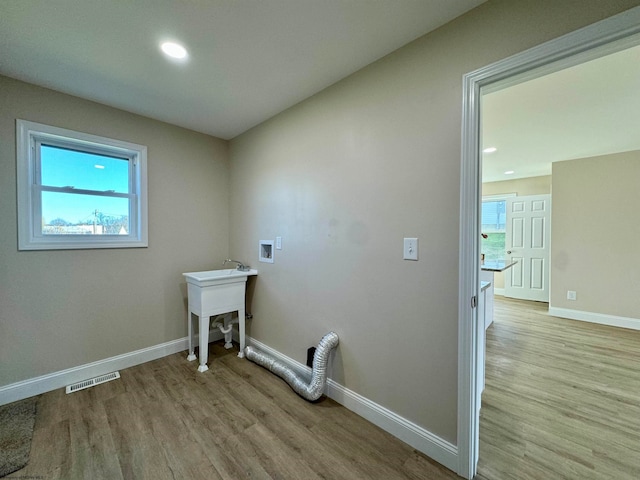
{"points": [[51, 381], [498, 291], [419, 438], [602, 319]]}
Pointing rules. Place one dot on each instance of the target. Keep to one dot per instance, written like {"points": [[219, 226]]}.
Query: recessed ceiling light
{"points": [[174, 50], [489, 150], [509, 172]]}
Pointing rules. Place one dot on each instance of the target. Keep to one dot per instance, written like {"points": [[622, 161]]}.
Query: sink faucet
{"points": [[241, 266]]}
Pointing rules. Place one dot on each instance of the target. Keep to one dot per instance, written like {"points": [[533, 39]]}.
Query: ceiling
{"points": [[586, 110], [248, 59]]}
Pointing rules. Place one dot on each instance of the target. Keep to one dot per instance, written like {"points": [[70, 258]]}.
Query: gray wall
{"points": [[345, 175], [61, 309]]}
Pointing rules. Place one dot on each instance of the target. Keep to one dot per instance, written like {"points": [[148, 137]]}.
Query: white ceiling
{"points": [[586, 110], [248, 59]]}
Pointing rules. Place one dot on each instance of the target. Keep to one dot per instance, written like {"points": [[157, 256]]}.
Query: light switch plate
{"points": [[278, 243], [410, 249]]}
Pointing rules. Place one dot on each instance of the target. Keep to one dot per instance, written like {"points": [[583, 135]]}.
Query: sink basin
{"points": [[217, 277]]}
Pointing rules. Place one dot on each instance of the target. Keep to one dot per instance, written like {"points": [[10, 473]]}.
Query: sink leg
{"points": [[204, 342], [191, 357], [241, 319]]}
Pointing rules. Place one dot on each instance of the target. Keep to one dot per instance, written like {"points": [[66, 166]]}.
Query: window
{"points": [[494, 226], [79, 191]]}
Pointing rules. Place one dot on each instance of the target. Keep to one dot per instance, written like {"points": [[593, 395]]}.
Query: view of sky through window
{"points": [[66, 168]]}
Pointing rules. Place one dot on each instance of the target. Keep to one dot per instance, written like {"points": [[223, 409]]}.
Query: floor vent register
{"points": [[92, 382]]}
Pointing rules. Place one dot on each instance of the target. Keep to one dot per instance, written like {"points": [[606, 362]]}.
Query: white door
{"points": [[527, 243]]}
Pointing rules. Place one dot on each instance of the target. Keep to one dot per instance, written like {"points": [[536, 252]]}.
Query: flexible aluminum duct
{"points": [[310, 391]]}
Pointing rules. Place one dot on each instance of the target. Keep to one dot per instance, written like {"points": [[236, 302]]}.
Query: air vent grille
{"points": [[92, 382]]}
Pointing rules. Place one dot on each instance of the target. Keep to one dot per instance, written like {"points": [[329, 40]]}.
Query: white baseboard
{"points": [[602, 319], [498, 291], [51, 381], [419, 438]]}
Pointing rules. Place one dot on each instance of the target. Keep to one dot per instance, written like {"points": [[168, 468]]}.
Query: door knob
{"points": [[508, 252]]}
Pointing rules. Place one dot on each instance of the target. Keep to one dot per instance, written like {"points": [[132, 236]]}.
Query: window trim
{"points": [[29, 136]]}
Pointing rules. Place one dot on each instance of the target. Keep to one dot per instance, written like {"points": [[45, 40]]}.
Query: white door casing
{"points": [[527, 242], [595, 40]]}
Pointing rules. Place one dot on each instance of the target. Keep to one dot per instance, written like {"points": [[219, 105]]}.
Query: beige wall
{"points": [[342, 177], [345, 175], [61, 309], [522, 186], [596, 227]]}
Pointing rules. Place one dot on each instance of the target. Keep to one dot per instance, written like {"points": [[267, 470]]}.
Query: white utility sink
{"points": [[216, 277], [215, 292]]}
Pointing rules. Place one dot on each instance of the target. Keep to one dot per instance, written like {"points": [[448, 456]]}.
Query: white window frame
{"points": [[29, 136]]}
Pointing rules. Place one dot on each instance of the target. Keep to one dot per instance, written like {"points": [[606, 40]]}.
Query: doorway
{"points": [[611, 35]]}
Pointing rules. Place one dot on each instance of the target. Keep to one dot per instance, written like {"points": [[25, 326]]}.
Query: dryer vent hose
{"points": [[310, 391]]}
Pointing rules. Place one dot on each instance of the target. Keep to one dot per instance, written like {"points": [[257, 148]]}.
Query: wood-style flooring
{"points": [[164, 420], [562, 401], [562, 398]]}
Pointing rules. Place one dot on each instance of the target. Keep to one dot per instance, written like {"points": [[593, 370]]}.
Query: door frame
{"points": [[607, 36]]}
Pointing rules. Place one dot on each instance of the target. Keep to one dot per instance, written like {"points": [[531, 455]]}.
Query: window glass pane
{"points": [[494, 216], [75, 214], [493, 247], [494, 224], [62, 167]]}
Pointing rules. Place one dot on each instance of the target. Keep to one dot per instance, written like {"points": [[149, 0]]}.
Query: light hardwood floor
{"points": [[562, 399], [163, 420]]}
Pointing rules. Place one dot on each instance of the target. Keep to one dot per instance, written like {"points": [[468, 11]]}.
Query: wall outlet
{"points": [[571, 295]]}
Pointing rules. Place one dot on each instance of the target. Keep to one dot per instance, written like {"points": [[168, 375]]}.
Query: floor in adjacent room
{"points": [[562, 397]]}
